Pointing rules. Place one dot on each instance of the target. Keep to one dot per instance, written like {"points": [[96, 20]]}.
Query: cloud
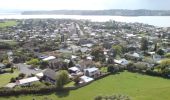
{"points": [[83, 4]]}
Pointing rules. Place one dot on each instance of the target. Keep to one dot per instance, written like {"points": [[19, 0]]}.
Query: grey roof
{"points": [[2, 65], [50, 73]]}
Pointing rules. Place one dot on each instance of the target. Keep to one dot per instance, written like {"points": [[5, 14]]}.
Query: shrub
{"points": [[113, 97], [33, 62], [12, 80], [21, 75], [167, 55]]}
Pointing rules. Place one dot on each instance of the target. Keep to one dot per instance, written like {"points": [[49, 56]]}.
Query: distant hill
{"points": [[114, 12]]}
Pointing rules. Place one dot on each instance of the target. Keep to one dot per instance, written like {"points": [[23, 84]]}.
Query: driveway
{"points": [[23, 68]]}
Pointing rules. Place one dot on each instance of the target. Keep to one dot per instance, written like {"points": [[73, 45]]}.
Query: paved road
{"points": [[23, 68]]}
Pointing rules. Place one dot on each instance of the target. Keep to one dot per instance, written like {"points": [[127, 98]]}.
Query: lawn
{"points": [[10, 42], [5, 78], [137, 86], [7, 23]]}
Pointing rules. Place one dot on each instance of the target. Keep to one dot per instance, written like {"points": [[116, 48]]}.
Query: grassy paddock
{"points": [[7, 23], [10, 42], [137, 86], [5, 78]]}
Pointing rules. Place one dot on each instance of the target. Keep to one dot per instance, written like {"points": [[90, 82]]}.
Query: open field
{"points": [[7, 23], [10, 42], [5, 78], [137, 86]]}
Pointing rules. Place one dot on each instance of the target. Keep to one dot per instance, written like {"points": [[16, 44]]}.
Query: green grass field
{"points": [[5, 78], [137, 86], [7, 23], [10, 42]]}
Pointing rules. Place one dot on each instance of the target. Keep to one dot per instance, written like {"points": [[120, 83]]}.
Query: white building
{"points": [[27, 81], [85, 79], [92, 72]]}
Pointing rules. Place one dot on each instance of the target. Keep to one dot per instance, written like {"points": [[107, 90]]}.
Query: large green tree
{"points": [[117, 50], [98, 53], [61, 78], [164, 67], [144, 44]]}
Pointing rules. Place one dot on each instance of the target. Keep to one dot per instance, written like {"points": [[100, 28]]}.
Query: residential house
{"points": [[27, 81], [73, 70], [49, 58], [58, 64], [85, 79], [121, 61], [49, 75], [83, 64], [92, 72]]}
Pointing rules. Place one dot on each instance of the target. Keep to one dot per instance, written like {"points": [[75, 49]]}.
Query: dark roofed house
{"points": [[49, 76]]}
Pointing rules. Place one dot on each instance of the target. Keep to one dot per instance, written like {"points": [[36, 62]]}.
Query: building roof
{"points": [[86, 79], [49, 58], [50, 73], [74, 69], [40, 74], [27, 80], [92, 69], [135, 55], [2, 65]]}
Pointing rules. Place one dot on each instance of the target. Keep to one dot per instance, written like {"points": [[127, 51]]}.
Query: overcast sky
{"points": [[83, 4]]}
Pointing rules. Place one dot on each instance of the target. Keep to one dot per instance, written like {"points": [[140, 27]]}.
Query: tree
{"points": [[21, 75], [33, 62], [118, 50], [113, 68], [12, 80], [167, 55], [140, 66], [165, 67], [70, 64], [12, 69], [144, 44], [131, 67], [160, 52], [155, 47], [110, 60], [98, 53], [61, 78], [43, 64], [76, 79]]}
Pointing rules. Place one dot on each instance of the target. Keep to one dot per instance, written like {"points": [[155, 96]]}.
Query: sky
{"points": [[7, 5]]}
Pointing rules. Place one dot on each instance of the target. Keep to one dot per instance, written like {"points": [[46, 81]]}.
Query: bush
{"points": [[33, 62], [12, 70], [160, 52], [12, 80], [113, 97], [113, 68], [47, 83], [167, 55], [131, 67], [21, 75]]}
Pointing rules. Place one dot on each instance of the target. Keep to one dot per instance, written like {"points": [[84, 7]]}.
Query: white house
{"points": [[74, 70], [85, 79], [92, 72], [49, 58], [121, 61], [26, 81]]}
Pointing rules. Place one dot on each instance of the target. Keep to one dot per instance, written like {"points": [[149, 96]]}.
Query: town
{"points": [[49, 54]]}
